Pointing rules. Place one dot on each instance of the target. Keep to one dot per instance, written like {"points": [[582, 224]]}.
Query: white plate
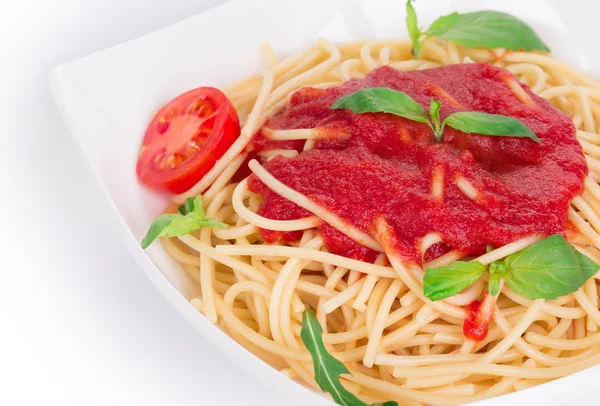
{"points": [[108, 98]]}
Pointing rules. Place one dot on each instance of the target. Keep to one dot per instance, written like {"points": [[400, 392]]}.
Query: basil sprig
{"points": [[413, 29], [497, 269], [386, 100], [548, 269], [191, 219], [434, 113], [488, 29], [327, 368]]}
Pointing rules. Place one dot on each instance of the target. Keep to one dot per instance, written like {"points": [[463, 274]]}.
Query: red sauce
{"points": [[385, 168], [478, 320], [436, 250]]}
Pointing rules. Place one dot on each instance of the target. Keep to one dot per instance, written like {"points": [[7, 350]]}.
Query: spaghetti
{"points": [[376, 319]]}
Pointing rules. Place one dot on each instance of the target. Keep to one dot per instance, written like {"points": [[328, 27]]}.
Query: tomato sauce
{"points": [[477, 323], [386, 167]]}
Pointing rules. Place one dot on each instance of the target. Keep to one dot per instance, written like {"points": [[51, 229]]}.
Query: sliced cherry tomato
{"points": [[185, 139]]}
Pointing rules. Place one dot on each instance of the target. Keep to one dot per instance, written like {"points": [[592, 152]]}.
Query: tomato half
{"points": [[185, 139]]}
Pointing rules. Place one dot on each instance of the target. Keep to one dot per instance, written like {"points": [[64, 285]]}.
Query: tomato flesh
{"points": [[185, 139]]}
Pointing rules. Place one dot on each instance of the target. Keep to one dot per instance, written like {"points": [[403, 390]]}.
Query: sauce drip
{"points": [[477, 321]]}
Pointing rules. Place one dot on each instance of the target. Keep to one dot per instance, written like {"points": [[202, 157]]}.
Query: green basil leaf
{"points": [[548, 269], [382, 100], [489, 29], [157, 229], [445, 281], [413, 28], [494, 284], [498, 267], [388, 403], [327, 368], [184, 225], [434, 111], [198, 209], [434, 115], [172, 225], [213, 223], [489, 124], [187, 207]]}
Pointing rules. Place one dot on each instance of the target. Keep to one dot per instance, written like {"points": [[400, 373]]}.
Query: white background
{"points": [[79, 321]]}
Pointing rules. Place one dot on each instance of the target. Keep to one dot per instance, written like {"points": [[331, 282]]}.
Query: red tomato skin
{"points": [[225, 130]]}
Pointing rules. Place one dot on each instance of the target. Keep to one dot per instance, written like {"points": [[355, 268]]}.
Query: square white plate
{"points": [[108, 98]]}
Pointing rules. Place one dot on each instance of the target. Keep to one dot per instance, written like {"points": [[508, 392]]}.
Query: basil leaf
{"points": [[157, 229], [382, 100], [187, 207], [413, 29], [198, 205], [172, 225], [445, 281], [434, 115], [182, 225], [212, 223], [489, 124], [188, 224], [494, 284], [498, 267], [548, 269], [489, 29], [327, 368], [434, 111], [388, 403]]}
